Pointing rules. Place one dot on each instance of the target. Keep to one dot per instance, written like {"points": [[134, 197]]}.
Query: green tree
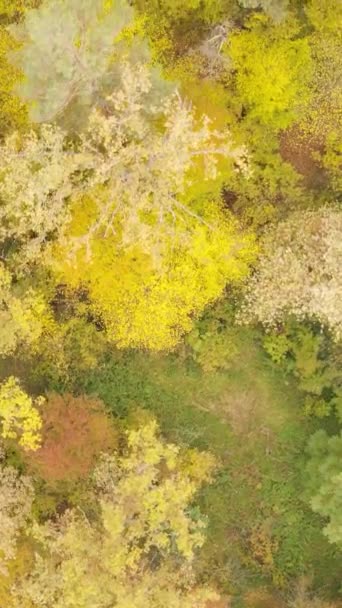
{"points": [[324, 471]]}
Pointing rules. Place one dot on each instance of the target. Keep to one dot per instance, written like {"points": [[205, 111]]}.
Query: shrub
{"points": [[75, 430], [19, 414], [324, 480], [300, 271]]}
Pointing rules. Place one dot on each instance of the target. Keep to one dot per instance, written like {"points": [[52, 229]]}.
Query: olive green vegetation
{"points": [[261, 531]]}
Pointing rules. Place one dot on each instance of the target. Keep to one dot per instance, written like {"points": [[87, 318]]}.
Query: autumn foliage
{"points": [[140, 552], [75, 431], [170, 304]]}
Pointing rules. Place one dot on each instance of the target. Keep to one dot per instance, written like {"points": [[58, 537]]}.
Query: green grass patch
{"points": [[259, 527]]}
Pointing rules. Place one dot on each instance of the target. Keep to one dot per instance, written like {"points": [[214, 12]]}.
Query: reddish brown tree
{"points": [[75, 431]]}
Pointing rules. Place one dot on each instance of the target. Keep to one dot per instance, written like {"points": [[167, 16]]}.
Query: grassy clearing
{"points": [[259, 528]]}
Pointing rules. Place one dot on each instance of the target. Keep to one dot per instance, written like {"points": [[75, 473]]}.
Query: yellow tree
{"points": [[16, 497], [19, 414], [23, 316], [146, 240], [135, 186], [13, 113], [149, 302], [144, 153], [140, 549], [273, 67]]}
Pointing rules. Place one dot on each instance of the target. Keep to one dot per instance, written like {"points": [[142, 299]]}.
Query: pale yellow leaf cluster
{"points": [[140, 552], [145, 503], [16, 496], [66, 55], [148, 153], [35, 180], [300, 272], [22, 319], [145, 151], [19, 414]]}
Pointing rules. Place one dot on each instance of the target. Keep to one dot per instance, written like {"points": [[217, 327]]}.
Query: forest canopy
{"points": [[170, 304]]}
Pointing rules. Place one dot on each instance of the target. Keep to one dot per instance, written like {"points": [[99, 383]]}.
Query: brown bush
{"points": [[75, 430], [261, 598]]}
